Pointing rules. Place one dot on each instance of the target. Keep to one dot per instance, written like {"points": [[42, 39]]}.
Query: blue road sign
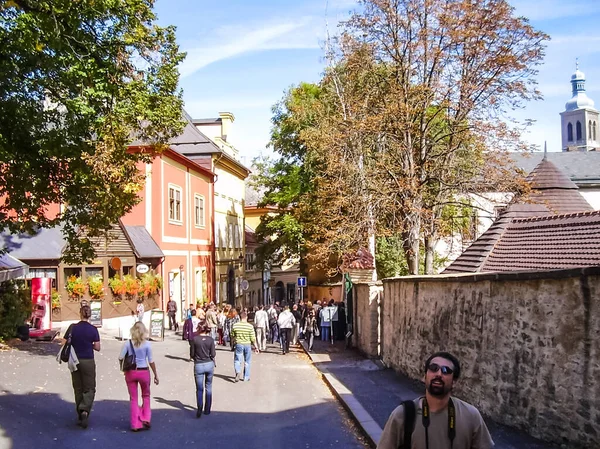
{"points": [[302, 281]]}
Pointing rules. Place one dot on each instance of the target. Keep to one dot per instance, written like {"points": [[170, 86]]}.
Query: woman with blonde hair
{"points": [[139, 416]]}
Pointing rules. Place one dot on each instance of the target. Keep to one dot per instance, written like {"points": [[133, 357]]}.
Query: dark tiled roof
{"points": [[553, 193], [142, 243], [548, 243], [45, 244], [250, 236], [582, 167], [252, 196]]}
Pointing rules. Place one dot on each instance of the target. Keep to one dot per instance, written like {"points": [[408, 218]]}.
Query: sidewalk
{"points": [[371, 392]]}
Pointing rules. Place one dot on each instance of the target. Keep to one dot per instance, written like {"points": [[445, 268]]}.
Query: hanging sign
{"points": [[142, 268]]}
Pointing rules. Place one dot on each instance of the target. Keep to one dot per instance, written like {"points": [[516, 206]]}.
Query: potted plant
{"points": [[55, 298], [150, 284], [95, 286], [132, 286], [117, 286], [75, 287]]}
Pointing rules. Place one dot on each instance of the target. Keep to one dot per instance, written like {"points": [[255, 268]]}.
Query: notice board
{"points": [[96, 318], [157, 325]]}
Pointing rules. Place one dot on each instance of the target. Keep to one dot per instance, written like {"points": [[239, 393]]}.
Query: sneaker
{"points": [[237, 377], [199, 413]]}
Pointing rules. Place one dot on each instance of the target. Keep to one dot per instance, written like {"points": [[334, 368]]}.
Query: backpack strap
{"points": [[409, 423]]}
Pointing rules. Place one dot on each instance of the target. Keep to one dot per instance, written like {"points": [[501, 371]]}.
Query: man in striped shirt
{"points": [[243, 336]]}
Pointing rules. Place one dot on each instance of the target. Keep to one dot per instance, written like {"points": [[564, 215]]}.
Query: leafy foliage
{"points": [[95, 286], [75, 287], [79, 79], [117, 286], [150, 284], [15, 307]]}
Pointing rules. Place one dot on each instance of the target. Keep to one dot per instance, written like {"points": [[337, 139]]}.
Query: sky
{"points": [[242, 55]]}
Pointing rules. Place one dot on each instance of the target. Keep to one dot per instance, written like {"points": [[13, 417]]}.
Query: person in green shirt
{"points": [[244, 338]]}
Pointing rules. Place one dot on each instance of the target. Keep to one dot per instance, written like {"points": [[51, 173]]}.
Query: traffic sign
{"points": [[302, 281]]}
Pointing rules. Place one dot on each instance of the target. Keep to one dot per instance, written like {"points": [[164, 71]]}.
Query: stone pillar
{"points": [[367, 335]]}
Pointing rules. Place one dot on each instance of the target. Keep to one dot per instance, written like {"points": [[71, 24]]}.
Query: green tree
{"points": [[79, 81], [15, 307]]}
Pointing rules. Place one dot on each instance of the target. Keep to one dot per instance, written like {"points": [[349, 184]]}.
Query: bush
{"points": [[15, 307]]}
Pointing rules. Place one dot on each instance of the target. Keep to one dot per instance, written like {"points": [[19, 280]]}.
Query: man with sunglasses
{"points": [[439, 421]]}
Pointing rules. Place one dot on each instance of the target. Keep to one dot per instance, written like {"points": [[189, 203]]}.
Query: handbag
{"points": [[316, 330], [65, 352], [128, 362]]}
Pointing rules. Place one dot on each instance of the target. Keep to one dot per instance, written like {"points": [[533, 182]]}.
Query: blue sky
{"points": [[243, 55]]}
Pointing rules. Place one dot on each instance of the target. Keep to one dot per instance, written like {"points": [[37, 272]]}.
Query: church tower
{"points": [[580, 121]]}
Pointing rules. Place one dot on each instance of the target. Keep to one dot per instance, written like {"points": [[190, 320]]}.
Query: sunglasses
{"points": [[434, 368]]}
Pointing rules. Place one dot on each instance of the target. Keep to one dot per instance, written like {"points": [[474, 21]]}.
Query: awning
{"points": [[142, 243], [11, 268]]}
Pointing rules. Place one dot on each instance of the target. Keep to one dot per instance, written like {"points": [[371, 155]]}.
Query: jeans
{"points": [[295, 332], [325, 333], [310, 338], [137, 414], [173, 322], [84, 385], [261, 338], [245, 352], [274, 333], [213, 333], [203, 372], [285, 339]]}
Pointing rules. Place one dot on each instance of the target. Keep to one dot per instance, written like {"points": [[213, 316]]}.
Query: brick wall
{"points": [[529, 344]]}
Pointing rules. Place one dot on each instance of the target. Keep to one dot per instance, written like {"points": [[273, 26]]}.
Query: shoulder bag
{"points": [[128, 362], [65, 352]]}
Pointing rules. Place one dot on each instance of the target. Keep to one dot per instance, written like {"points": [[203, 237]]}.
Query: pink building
{"points": [[177, 211]]}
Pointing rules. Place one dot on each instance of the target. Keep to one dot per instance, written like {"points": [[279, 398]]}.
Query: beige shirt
{"points": [[471, 431]]}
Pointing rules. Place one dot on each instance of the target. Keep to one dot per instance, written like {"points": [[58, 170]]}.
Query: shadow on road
{"points": [[45, 348], [46, 420], [173, 357], [227, 378]]}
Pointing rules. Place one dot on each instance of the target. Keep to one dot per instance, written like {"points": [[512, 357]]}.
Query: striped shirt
{"points": [[243, 333]]}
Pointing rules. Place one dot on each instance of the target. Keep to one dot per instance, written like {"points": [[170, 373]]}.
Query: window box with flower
{"points": [[95, 286], [75, 287]]}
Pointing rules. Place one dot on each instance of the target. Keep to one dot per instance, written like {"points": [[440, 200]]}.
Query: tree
{"points": [[286, 182], [79, 81], [446, 74]]}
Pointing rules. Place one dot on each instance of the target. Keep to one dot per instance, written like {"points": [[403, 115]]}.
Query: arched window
{"points": [[589, 136], [578, 130], [570, 132], [594, 130]]}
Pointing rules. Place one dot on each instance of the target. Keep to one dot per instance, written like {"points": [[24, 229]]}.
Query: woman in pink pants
{"points": [[139, 416]]}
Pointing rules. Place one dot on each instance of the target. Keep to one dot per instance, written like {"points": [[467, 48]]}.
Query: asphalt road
{"points": [[285, 404]]}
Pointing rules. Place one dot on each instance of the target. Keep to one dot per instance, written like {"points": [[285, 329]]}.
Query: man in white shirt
{"points": [[286, 322], [261, 322]]}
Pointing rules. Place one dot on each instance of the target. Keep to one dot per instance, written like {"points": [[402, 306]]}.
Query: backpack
{"points": [[409, 423]]}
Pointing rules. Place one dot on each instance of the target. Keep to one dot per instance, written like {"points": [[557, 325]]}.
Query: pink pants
{"points": [[138, 414]]}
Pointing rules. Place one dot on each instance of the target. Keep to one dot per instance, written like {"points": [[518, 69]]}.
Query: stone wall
{"points": [[529, 344], [367, 300]]}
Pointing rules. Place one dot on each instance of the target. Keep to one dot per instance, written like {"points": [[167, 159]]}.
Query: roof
{"points": [[553, 194], [253, 197], [548, 243], [142, 243], [11, 268], [582, 167], [554, 189], [207, 121], [250, 236], [45, 244]]}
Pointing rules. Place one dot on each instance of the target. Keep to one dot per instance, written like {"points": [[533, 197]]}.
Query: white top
{"points": [[261, 319], [286, 320], [143, 354]]}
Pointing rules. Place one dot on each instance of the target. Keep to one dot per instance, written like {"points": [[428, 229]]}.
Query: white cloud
{"points": [[231, 41]]}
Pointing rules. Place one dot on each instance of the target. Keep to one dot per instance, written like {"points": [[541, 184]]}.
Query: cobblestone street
{"points": [[285, 404]]}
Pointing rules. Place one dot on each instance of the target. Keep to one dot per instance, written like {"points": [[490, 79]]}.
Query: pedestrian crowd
{"points": [[239, 329]]}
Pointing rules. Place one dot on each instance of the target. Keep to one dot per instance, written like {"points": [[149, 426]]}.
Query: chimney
{"points": [[227, 120]]}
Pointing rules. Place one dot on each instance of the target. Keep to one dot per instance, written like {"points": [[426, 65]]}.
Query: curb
{"points": [[363, 419]]}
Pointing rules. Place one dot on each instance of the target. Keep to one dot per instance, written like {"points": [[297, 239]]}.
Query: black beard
{"points": [[437, 390]]}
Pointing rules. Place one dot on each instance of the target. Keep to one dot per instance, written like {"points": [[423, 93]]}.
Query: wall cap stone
{"points": [[499, 276]]}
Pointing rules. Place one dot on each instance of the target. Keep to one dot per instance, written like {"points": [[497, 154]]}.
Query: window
{"points": [[570, 132], [230, 236], [578, 130], [238, 237], [589, 136], [199, 210], [594, 130], [174, 203]]}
